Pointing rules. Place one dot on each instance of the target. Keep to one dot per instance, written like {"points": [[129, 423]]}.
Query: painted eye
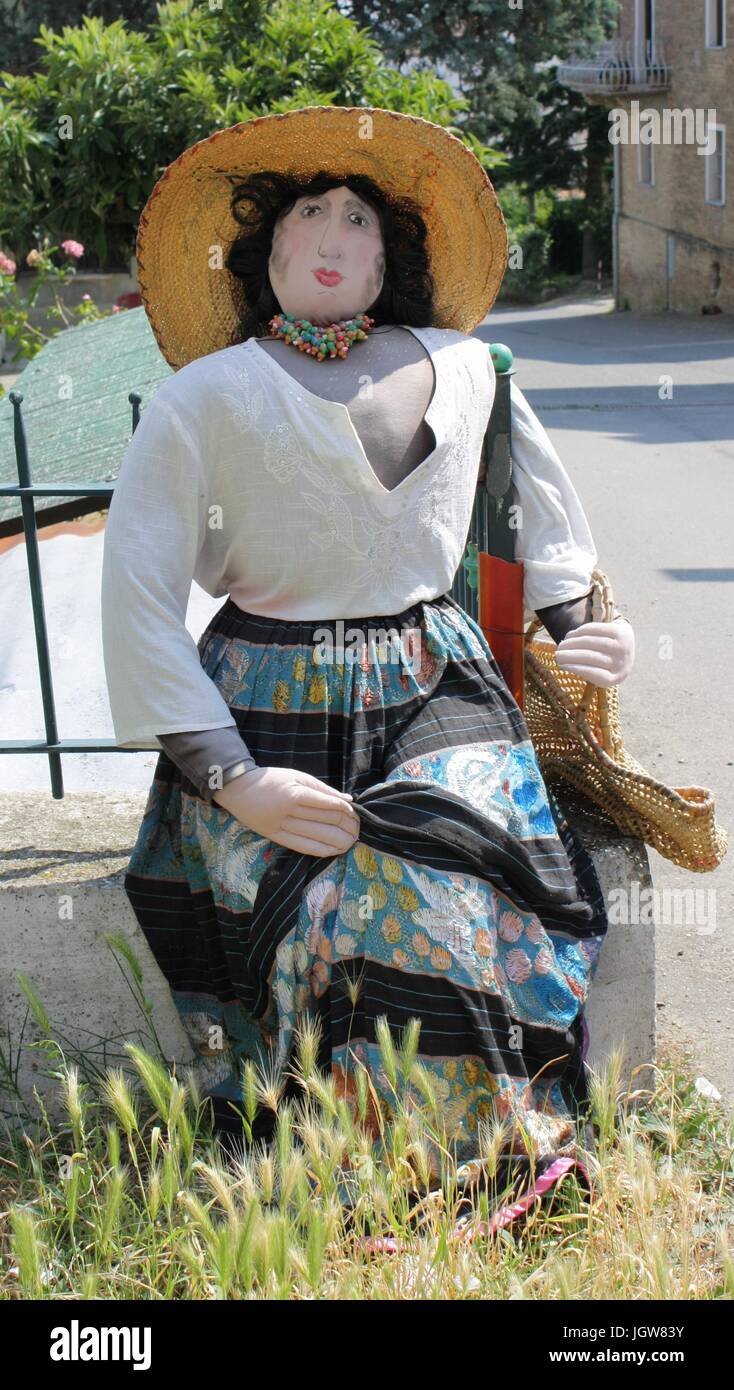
{"points": [[308, 206]]}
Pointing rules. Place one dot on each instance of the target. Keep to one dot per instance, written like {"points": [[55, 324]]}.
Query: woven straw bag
{"points": [[575, 730]]}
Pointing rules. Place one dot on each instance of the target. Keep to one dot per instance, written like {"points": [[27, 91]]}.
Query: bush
{"points": [[547, 237], [84, 139], [529, 252], [599, 221], [566, 227], [53, 266], [527, 269], [570, 219]]}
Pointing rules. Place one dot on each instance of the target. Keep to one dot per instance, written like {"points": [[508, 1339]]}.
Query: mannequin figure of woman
{"points": [[368, 835]]}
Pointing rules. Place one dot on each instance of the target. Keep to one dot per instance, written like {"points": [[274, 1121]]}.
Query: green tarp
{"points": [[76, 412]]}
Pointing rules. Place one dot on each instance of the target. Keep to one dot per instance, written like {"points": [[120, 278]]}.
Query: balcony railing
{"points": [[620, 67]]}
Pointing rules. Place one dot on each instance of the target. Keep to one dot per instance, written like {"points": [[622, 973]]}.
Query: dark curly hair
{"points": [[261, 199]]}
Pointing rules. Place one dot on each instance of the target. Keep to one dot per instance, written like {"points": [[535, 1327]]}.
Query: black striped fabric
{"points": [[451, 803]]}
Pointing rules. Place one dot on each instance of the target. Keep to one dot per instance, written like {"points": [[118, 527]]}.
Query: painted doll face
{"points": [[327, 260]]}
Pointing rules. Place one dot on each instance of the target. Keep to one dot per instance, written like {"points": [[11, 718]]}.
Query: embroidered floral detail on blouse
{"points": [[385, 553], [443, 504], [381, 547], [336, 522], [282, 448]]}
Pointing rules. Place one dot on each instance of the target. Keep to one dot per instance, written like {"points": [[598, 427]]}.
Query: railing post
{"points": [[28, 509], [135, 398]]}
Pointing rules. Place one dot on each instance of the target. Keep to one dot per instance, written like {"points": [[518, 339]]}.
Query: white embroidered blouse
{"points": [[240, 478]]}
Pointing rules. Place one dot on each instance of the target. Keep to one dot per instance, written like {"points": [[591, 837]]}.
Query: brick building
{"points": [[667, 79]]}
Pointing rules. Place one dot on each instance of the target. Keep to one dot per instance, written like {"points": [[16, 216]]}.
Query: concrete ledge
{"points": [[63, 893], [621, 1006]]}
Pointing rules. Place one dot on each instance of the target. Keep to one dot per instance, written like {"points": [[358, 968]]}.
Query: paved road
{"points": [[655, 477]]}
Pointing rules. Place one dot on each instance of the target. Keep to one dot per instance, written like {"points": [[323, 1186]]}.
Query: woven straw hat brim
{"points": [[194, 303]]}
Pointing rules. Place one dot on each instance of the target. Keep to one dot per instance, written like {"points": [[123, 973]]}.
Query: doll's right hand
{"points": [[293, 809], [603, 653]]}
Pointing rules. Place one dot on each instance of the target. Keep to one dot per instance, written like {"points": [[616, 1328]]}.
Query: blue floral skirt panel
{"points": [[468, 901]]}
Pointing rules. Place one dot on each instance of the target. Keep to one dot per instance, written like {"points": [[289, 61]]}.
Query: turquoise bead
{"points": [[501, 356], [471, 564]]}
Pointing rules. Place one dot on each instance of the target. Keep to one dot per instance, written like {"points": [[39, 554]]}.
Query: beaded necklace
{"points": [[333, 340]]}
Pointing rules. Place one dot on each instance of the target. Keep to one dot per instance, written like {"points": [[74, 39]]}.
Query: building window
{"points": [[715, 164], [645, 27], [646, 164], [649, 21], [716, 23]]}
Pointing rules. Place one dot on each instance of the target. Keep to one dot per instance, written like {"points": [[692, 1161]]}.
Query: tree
{"points": [[21, 21], [502, 56], [84, 139]]}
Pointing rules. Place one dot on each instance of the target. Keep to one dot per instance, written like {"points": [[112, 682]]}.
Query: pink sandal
{"points": [[501, 1219]]}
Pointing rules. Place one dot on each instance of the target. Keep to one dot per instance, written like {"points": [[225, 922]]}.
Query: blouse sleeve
{"points": [[554, 541], [198, 753], [155, 530]]}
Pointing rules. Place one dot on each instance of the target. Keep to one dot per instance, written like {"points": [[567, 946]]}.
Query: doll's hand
{"points": [[602, 653], [293, 809]]}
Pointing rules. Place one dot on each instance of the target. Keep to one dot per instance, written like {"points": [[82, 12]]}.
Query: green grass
{"points": [[131, 1197], [128, 1195]]}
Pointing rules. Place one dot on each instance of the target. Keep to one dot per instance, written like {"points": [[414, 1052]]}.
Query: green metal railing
{"points": [[486, 525]]}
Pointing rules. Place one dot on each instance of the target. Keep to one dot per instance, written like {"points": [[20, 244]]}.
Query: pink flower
{"points": [[543, 962], [129, 301], [6, 265], [116, 309], [413, 769], [535, 931], [73, 248], [85, 297], [510, 927], [518, 966]]}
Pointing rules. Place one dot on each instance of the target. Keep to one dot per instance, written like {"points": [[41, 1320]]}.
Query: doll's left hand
{"points": [[602, 653]]}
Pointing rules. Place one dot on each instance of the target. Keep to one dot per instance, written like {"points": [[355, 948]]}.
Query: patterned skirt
{"points": [[468, 901]]}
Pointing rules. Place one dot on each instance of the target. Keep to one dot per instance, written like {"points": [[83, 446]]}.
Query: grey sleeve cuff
{"points": [[200, 753], [561, 618]]}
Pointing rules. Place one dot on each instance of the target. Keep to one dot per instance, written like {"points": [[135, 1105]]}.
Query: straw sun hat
{"points": [[195, 309]]}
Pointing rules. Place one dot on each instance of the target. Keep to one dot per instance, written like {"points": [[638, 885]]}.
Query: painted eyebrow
{"points": [[349, 202]]}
